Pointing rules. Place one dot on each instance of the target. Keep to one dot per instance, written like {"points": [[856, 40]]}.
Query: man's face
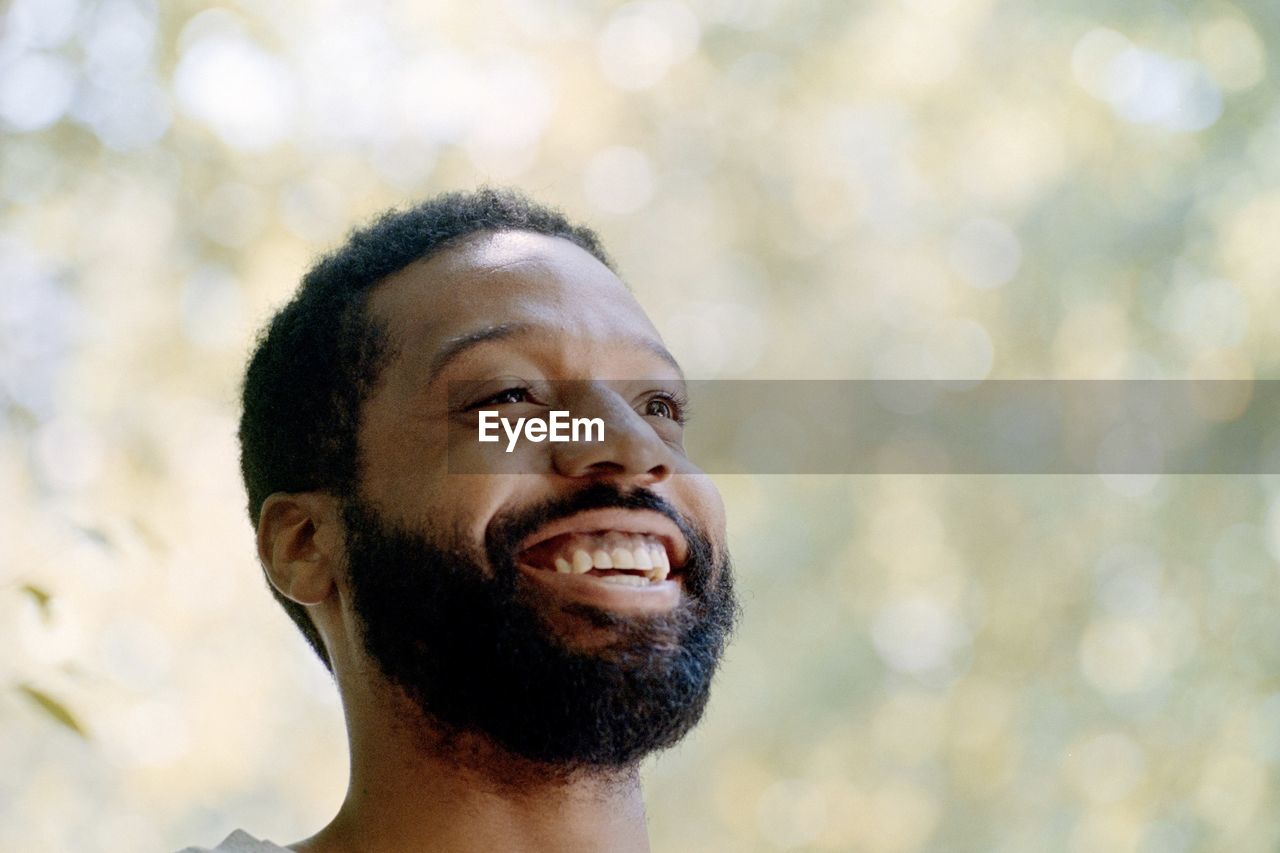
{"points": [[472, 592]]}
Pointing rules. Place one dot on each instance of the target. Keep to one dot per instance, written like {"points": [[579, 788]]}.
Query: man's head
{"points": [[360, 407], [321, 355]]}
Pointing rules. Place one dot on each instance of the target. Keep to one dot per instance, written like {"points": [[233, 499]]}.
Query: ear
{"points": [[300, 544]]}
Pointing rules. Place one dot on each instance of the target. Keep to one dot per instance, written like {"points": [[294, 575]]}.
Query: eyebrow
{"points": [[456, 346]]}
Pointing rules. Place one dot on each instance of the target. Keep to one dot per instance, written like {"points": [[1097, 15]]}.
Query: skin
{"points": [[408, 789]]}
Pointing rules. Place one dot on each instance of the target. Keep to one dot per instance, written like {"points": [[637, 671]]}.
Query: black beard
{"points": [[472, 651]]}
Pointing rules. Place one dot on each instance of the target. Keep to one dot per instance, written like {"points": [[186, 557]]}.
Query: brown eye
{"points": [[511, 395], [660, 408], [504, 397]]}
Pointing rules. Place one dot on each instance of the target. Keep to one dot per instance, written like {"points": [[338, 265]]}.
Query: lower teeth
{"points": [[625, 580]]}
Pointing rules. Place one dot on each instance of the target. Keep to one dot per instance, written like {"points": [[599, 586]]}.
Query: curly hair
{"points": [[320, 356]]}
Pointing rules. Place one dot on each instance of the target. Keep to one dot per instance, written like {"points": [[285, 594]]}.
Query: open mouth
{"points": [[623, 548]]}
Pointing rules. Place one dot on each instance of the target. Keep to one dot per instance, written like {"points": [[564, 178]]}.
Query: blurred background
{"points": [[811, 189]]}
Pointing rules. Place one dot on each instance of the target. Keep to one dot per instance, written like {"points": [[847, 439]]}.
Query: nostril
{"points": [[659, 473]]}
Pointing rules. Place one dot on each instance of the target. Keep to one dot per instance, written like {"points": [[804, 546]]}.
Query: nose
{"points": [[630, 450]]}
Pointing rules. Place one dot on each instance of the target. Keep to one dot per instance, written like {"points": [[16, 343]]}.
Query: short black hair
{"points": [[320, 356]]}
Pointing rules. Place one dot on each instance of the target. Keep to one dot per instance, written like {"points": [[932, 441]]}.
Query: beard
{"points": [[474, 652]]}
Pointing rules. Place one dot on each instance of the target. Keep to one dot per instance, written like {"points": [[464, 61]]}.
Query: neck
{"points": [[414, 787]]}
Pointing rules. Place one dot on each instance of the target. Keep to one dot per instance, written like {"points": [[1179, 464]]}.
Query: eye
{"points": [[666, 406], [659, 408], [517, 394]]}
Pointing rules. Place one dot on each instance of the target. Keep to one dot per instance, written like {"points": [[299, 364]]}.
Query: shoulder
{"points": [[239, 842]]}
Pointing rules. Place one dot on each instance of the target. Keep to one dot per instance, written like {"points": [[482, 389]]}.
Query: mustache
{"points": [[505, 533]]}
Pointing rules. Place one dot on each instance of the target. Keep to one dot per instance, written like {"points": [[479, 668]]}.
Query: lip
{"points": [[638, 521]]}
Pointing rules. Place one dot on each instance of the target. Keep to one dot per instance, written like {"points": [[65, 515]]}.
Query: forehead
{"points": [[507, 278]]}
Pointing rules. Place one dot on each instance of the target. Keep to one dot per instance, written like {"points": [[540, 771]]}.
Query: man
{"points": [[512, 626]]}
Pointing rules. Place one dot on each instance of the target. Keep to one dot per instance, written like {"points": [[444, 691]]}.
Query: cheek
{"points": [[403, 461], [430, 474], [433, 479], [704, 505], [467, 454], [483, 482], [470, 502]]}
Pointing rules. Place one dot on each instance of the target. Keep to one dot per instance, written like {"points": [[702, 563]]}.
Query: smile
{"points": [[633, 549], [629, 558]]}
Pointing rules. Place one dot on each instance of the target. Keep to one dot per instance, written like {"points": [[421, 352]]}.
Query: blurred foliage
{"points": [[39, 596], [46, 704], [890, 188], [52, 708]]}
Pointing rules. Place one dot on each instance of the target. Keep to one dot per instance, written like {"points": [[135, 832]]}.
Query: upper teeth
{"points": [[642, 553]]}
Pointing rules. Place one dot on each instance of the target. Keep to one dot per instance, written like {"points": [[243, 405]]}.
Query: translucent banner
{"points": [[888, 426]]}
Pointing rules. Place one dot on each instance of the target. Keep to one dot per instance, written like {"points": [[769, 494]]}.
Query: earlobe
{"points": [[299, 544]]}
